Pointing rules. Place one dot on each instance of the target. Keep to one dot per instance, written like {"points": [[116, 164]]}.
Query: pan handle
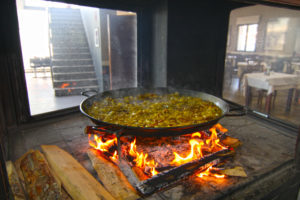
{"points": [[89, 93], [241, 112]]}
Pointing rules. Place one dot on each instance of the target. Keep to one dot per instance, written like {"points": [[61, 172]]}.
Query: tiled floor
{"points": [[41, 95]]}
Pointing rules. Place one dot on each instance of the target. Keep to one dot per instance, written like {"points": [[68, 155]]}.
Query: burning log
{"points": [[167, 178], [140, 173], [40, 182], [78, 182], [112, 178], [14, 182]]}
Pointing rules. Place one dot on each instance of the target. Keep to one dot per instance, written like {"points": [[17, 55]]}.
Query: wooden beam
{"points": [[78, 182], [112, 178]]}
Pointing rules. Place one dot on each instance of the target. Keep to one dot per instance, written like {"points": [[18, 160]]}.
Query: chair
{"points": [[250, 69]]}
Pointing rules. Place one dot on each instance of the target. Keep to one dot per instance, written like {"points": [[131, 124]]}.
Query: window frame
{"points": [[246, 39]]}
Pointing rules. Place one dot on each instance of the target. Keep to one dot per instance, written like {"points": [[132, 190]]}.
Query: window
{"points": [[264, 73], [276, 33], [68, 49], [247, 37]]}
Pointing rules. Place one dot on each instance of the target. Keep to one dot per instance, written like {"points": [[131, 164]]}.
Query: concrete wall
{"points": [[265, 14]]}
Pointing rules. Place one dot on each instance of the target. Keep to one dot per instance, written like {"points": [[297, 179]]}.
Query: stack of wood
{"points": [[55, 174]]}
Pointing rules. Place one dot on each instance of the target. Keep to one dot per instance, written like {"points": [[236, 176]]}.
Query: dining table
{"points": [[270, 83]]}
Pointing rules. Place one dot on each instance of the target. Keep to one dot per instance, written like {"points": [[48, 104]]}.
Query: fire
{"points": [[214, 141], [208, 172], [211, 144], [178, 160], [102, 146], [141, 159], [200, 144], [114, 157]]}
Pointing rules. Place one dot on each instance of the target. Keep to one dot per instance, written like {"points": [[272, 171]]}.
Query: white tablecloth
{"points": [[275, 81]]}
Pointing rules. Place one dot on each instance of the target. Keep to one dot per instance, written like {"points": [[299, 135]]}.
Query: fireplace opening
{"points": [[76, 156], [68, 49], [245, 151]]}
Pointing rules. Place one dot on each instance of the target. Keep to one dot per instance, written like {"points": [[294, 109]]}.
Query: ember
{"points": [[165, 153], [208, 172]]}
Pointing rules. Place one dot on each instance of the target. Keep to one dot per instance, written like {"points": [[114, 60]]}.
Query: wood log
{"points": [[140, 173], [40, 183], [78, 182], [18, 163], [14, 182], [112, 178], [166, 178], [64, 194]]}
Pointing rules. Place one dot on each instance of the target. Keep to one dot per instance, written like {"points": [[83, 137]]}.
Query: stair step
{"points": [[67, 31], [69, 50], [65, 26], [72, 66], [70, 44], [75, 83], [69, 41], [75, 32], [70, 62], [63, 11], [72, 56], [63, 37], [73, 91], [71, 69], [67, 20], [74, 18], [72, 76]]}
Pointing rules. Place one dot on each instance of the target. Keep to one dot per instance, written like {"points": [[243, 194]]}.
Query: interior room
{"points": [[150, 99]]}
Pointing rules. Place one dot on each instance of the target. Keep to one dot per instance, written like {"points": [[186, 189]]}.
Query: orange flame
{"points": [[200, 145], [214, 141], [220, 127], [141, 159], [114, 157], [212, 144], [208, 172], [196, 134], [178, 160], [102, 146]]}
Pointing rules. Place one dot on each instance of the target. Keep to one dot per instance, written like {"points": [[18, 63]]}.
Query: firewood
{"points": [[78, 182], [166, 178], [65, 195], [140, 173], [17, 166], [14, 181], [40, 183], [111, 177]]}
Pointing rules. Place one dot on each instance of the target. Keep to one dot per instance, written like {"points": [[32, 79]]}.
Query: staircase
{"points": [[72, 65]]}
